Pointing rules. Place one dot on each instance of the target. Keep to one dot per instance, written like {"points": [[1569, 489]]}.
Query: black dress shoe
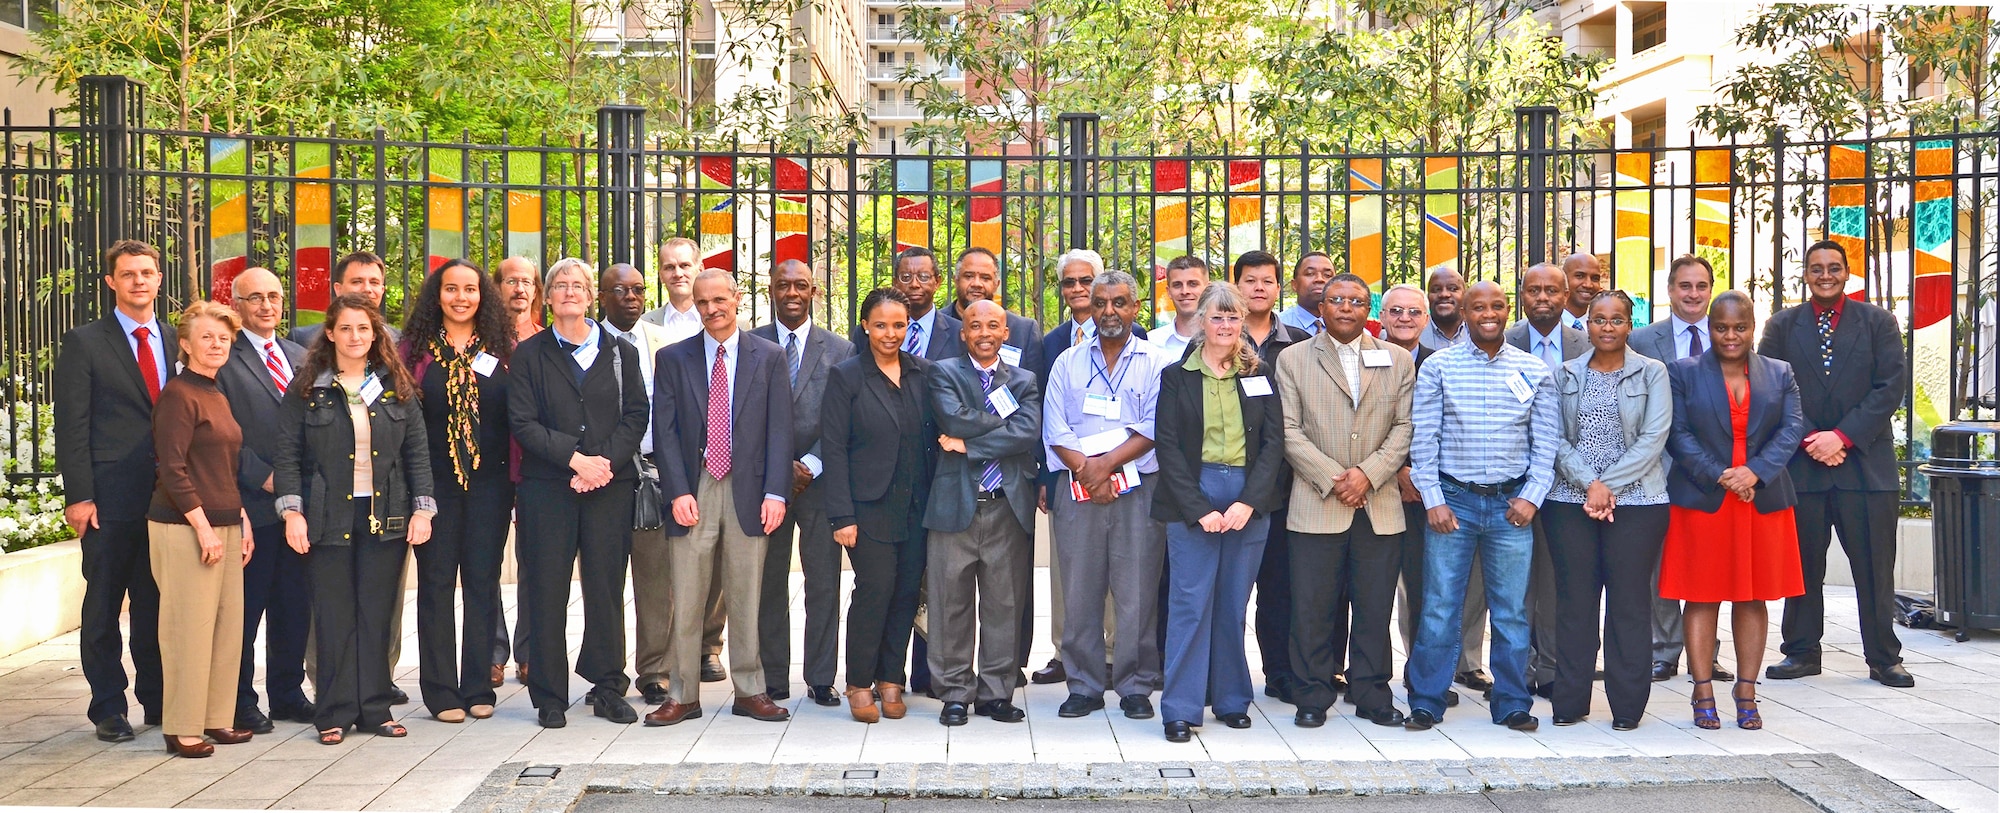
{"points": [[954, 714], [1080, 705], [823, 695], [654, 693], [1419, 720], [1521, 721], [1567, 721], [1052, 673], [1893, 676], [251, 720], [1136, 706], [1234, 720], [1280, 686], [1450, 698], [1623, 724], [551, 718], [1545, 691], [1385, 716], [711, 669], [115, 729], [1475, 680], [400, 698], [1309, 718], [1178, 731], [1721, 674], [1791, 668], [301, 713], [1663, 670], [1002, 711], [778, 692], [613, 706]]}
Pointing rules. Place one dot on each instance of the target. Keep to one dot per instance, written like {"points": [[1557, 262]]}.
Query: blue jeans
{"points": [[1208, 593], [1505, 555]]}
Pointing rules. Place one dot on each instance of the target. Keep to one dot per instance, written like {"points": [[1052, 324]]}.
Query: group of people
{"points": [[223, 476]]}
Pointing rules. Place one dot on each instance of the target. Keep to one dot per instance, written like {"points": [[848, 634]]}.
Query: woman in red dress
{"points": [[1731, 538]]}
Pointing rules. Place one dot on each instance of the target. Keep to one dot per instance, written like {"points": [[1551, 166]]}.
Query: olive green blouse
{"points": [[1221, 415]]}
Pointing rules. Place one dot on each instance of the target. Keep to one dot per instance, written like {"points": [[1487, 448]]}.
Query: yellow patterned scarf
{"points": [[461, 400]]}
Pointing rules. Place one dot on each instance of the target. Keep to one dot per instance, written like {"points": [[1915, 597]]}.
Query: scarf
{"points": [[461, 400]]}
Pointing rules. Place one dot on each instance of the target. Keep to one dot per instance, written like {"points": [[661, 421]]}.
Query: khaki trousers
{"points": [[653, 608], [716, 544], [201, 627]]}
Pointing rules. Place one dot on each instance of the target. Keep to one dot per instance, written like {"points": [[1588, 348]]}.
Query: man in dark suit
{"points": [[359, 273], [722, 439], [982, 518], [810, 351], [979, 279], [1544, 290], [275, 584], [1851, 372], [107, 377], [933, 333]]}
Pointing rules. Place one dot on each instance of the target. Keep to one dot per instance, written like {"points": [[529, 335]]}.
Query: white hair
{"points": [[1423, 298], [558, 267], [1081, 255]]}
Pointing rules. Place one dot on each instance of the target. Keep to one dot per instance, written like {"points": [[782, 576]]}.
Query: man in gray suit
{"points": [[810, 351], [1690, 285], [1544, 290], [981, 518], [360, 273]]}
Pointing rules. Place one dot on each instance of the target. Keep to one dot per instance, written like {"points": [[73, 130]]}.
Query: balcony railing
{"points": [[881, 71], [896, 109]]}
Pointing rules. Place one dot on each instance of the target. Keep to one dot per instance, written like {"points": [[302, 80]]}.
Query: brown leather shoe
{"points": [[195, 751], [499, 674], [893, 706], [521, 673], [227, 736], [861, 704], [672, 712], [760, 707]]}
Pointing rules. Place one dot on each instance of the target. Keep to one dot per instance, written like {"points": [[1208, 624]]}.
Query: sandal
{"points": [[1704, 716], [332, 736], [391, 729], [1748, 719]]}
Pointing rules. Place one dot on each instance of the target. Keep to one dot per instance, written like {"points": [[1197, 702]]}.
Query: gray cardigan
{"points": [[1645, 407]]}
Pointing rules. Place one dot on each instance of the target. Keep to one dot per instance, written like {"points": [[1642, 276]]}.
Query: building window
{"points": [[1649, 26], [885, 20], [1649, 132], [885, 58], [29, 14]]}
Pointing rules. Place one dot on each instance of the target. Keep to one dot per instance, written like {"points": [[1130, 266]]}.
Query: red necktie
{"points": [[279, 374], [718, 416], [148, 363]]}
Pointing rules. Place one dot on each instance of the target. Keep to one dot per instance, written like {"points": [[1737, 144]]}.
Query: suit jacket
{"points": [[862, 435], [1055, 342], [553, 416], [104, 418], [960, 407], [1180, 425], [1858, 397], [944, 341], [305, 335], [255, 401], [1326, 434], [823, 350], [1575, 342], [760, 430], [1022, 334], [1703, 442], [1656, 341]]}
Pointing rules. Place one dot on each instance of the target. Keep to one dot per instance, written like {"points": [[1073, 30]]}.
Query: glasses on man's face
{"points": [[622, 291], [1399, 312], [1615, 321], [259, 300], [924, 278], [517, 282], [569, 287], [1350, 301]]}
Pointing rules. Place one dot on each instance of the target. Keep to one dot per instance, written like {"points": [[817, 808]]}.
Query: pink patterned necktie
{"points": [[718, 416]]}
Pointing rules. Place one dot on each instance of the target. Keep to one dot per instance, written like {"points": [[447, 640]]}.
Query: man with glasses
{"points": [[1404, 321], [680, 260], [520, 286], [1308, 285], [1544, 289], [933, 334]]}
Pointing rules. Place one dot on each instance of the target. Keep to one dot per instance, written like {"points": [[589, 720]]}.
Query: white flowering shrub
{"points": [[30, 506]]}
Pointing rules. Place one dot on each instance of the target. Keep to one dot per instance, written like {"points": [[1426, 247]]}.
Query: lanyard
{"points": [[1097, 369]]}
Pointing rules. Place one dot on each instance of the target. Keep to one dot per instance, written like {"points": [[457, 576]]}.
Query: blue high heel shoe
{"points": [[1705, 717], [1748, 719]]}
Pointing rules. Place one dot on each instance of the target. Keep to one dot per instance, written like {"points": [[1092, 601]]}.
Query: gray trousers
{"points": [[1117, 548], [974, 577], [1668, 637], [715, 544], [819, 560], [653, 609], [1541, 607]]}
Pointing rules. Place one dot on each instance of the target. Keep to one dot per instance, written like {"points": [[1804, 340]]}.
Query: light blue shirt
{"points": [[1467, 423], [1302, 319], [1682, 339], [1548, 348], [1079, 371], [921, 328], [708, 347], [152, 323]]}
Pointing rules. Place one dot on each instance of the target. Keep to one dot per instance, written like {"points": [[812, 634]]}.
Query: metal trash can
{"points": [[1965, 524]]}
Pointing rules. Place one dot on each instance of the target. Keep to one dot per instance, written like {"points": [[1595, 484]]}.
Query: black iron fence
{"points": [[1917, 212]]}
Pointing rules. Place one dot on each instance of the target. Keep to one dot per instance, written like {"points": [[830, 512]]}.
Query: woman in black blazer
{"points": [[1219, 469], [353, 477], [878, 438]]}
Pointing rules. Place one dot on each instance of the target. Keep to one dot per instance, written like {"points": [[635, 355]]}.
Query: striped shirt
{"points": [[1080, 371], [1468, 424]]}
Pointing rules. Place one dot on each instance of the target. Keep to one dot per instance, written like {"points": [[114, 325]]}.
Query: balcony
{"points": [[881, 72], [906, 110], [884, 33]]}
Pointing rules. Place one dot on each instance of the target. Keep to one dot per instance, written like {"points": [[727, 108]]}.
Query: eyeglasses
{"points": [[517, 282], [1399, 311], [925, 278], [571, 287], [1075, 282], [255, 300], [1616, 321], [1351, 301], [622, 291], [1224, 319]]}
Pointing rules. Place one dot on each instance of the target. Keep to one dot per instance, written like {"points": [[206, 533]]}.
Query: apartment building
{"points": [[29, 104], [892, 60]]}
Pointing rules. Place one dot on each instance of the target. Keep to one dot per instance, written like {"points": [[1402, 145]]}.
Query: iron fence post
{"points": [[1537, 125], [621, 142], [1080, 131], [110, 107]]}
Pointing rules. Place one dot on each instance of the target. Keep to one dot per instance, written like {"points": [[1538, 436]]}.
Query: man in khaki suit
{"points": [[1346, 398]]}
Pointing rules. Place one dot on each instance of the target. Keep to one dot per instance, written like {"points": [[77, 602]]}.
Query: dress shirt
{"points": [[708, 348], [1075, 374], [1468, 424], [1080, 332], [152, 324], [638, 343], [1578, 322], [1222, 433], [1435, 339], [810, 460], [1548, 348], [1681, 336], [1302, 319], [680, 324], [928, 323], [1171, 341], [1349, 354]]}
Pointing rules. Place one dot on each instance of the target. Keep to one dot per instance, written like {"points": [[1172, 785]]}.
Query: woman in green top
{"points": [[1220, 436]]}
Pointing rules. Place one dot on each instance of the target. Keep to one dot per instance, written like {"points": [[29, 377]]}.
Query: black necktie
{"points": [[1694, 341]]}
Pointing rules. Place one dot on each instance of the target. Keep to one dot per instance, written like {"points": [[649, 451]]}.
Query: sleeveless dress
{"points": [[1734, 554]]}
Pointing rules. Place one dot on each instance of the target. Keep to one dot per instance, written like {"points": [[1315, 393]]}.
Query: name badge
{"points": [[1375, 358], [1256, 385], [1523, 391], [1103, 406], [1011, 355], [371, 389], [1003, 401], [485, 363]]}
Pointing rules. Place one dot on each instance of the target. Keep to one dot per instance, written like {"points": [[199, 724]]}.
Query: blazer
{"points": [[1575, 342], [1858, 397], [554, 417], [1326, 434], [1023, 334], [944, 341], [1703, 443], [315, 461], [1656, 341], [760, 431], [104, 419], [1645, 410], [1055, 342], [1180, 426], [823, 350], [861, 434], [960, 407], [256, 402]]}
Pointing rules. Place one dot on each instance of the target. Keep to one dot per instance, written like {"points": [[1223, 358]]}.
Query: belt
{"points": [[989, 496], [1494, 490]]}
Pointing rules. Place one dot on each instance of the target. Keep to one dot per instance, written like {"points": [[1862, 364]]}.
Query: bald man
{"points": [[1586, 281]]}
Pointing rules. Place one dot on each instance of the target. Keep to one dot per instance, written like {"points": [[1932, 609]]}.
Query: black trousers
{"points": [[557, 529], [819, 562], [468, 542], [1328, 573], [1612, 562], [883, 609], [277, 590], [356, 588], [501, 649], [1411, 565], [117, 563], [1273, 620], [1867, 524]]}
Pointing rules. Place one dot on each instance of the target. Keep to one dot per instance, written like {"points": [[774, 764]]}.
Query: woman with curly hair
{"points": [[457, 343]]}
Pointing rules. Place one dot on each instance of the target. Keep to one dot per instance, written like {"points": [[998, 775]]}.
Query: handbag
{"points": [[647, 503]]}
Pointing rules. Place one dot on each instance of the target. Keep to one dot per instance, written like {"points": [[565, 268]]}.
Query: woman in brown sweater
{"points": [[200, 538]]}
